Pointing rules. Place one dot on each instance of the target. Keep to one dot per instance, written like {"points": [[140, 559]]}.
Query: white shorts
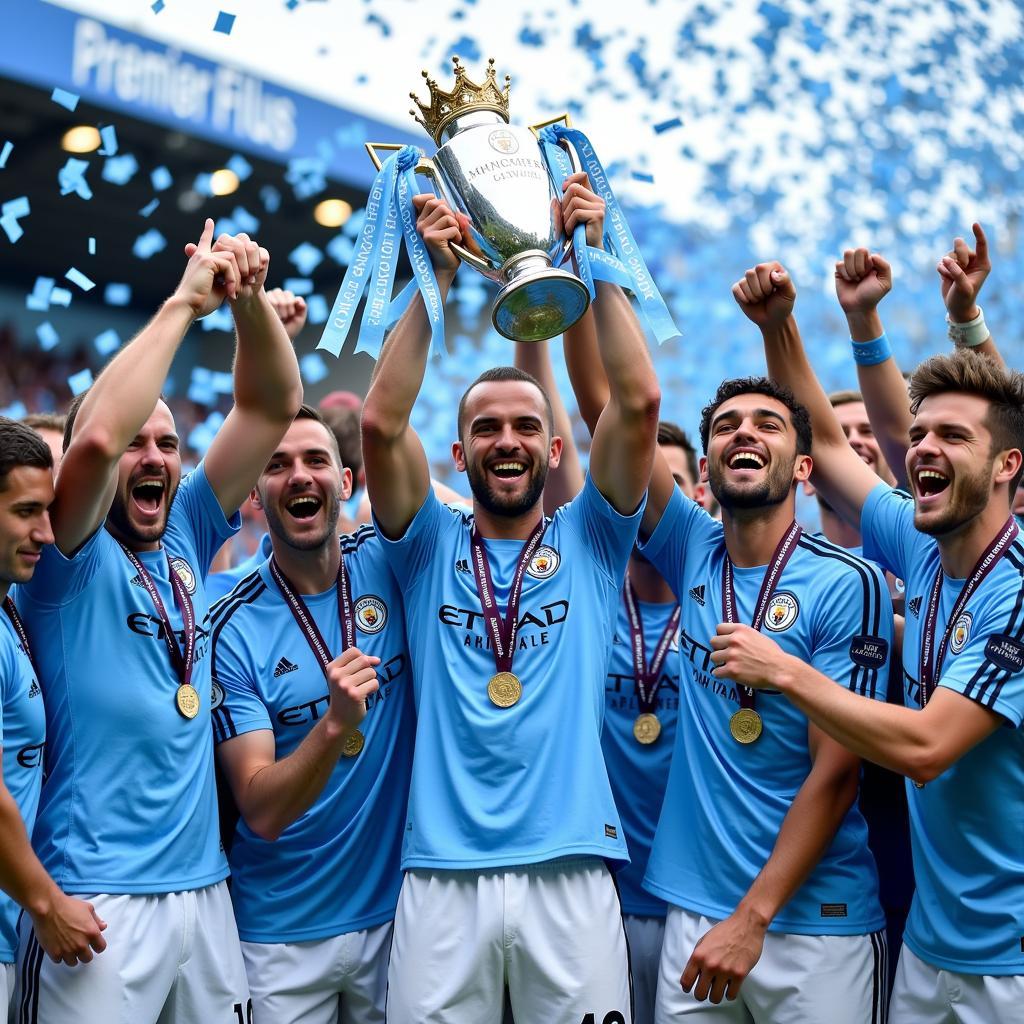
{"points": [[923, 994], [646, 935], [170, 959], [7, 993], [838, 979], [552, 932], [340, 980]]}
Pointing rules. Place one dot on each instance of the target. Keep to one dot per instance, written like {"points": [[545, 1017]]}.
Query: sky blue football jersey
{"points": [[493, 786], [966, 826], [726, 801], [129, 804], [23, 724], [336, 868], [639, 772]]}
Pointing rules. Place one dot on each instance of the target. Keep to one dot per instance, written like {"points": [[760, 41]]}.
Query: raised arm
{"points": [[766, 294], [396, 468], [625, 430], [124, 396], [962, 272], [268, 389], [863, 279], [565, 480]]}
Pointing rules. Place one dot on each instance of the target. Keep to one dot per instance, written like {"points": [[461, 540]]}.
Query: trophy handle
{"points": [[427, 168], [574, 160]]}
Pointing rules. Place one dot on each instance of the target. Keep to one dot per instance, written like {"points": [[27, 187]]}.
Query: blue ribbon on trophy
{"points": [[624, 265], [390, 220]]}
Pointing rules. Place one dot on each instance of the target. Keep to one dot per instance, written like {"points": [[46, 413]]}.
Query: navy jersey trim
{"points": [[223, 724], [30, 968], [352, 541], [863, 680], [223, 605]]}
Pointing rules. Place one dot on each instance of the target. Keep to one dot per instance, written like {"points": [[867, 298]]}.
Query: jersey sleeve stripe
{"points": [[223, 725]]}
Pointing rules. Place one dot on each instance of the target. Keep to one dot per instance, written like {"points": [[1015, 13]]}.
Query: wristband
{"points": [[869, 353], [970, 334]]}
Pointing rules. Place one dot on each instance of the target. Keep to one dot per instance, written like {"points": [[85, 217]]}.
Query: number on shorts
{"points": [[246, 1017], [611, 1017]]}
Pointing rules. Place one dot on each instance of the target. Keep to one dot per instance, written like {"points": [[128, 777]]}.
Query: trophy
{"points": [[496, 175]]}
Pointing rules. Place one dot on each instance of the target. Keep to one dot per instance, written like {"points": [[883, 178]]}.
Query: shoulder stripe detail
{"points": [[351, 541], [992, 677], [863, 681], [223, 725], [240, 589], [239, 598]]}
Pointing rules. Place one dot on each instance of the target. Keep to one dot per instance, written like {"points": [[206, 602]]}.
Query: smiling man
{"points": [[301, 646], [959, 739], [511, 819], [118, 619]]}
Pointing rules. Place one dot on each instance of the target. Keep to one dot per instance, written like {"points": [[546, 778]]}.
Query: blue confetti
{"points": [[223, 381], [317, 310], [11, 228], [218, 320], [270, 198], [245, 220], [117, 294], [39, 298], [203, 184], [5, 153], [313, 368], [667, 126], [149, 244], [642, 176], [15, 411], [306, 258], [106, 342], [81, 381], [75, 276], [530, 37], [298, 285], [340, 249], [119, 170], [225, 23], [71, 178], [60, 297], [109, 136], [68, 100], [48, 336], [16, 207], [157, 6], [161, 178], [149, 207], [92, 246], [466, 48], [240, 166]]}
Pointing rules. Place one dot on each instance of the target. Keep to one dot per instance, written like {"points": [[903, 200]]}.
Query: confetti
{"points": [[39, 298], [119, 170], [109, 136], [241, 166], [68, 100], [225, 23], [92, 246], [75, 276], [667, 126], [60, 297], [117, 294], [149, 207], [157, 6], [47, 335], [149, 244], [161, 178], [5, 153], [306, 258], [317, 310], [81, 381], [298, 285], [71, 178], [107, 342], [313, 368]]}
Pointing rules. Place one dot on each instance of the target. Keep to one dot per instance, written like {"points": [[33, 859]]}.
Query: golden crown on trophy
{"points": [[465, 96]]}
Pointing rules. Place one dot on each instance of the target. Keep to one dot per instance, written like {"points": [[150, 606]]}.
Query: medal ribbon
{"points": [[780, 557], [502, 630], [309, 628], [930, 669], [19, 628], [182, 664], [647, 678]]}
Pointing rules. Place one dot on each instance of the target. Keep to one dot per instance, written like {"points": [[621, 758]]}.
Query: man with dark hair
{"points": [[301, 647], [68, 929], [958, 549], [118, 620], [760, 851], [511, 819]]}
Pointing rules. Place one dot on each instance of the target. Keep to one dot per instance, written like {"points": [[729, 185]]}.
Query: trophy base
{"points": [[539, 303]]}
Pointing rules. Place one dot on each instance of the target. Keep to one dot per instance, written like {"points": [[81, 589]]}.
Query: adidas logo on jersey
{"points": [[462, 565], [284, 666], [136, 581], [33, 690], [914, 606], [697, 593]]}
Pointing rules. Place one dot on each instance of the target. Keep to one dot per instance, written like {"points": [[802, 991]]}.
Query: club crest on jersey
{"points": [[782, 612], [961, 633], [184, 573], [371, 614], [544, 563], [216, 696]]}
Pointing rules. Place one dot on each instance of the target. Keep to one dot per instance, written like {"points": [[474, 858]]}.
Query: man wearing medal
{"points": [[300, 646], [958, 548], [118, 618], [68, 929], [510, 617], [760, 850]]}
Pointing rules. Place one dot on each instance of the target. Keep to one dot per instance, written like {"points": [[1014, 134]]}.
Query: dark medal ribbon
{"points": [[504, 688], [187, 698], [647, 678], [746, 725], [19, 628], [346, 617]]}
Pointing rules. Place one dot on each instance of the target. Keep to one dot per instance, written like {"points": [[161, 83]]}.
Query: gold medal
{"points": [[353, 744], [646, 728], [745, 725], [187, 699], [504, 689]]}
